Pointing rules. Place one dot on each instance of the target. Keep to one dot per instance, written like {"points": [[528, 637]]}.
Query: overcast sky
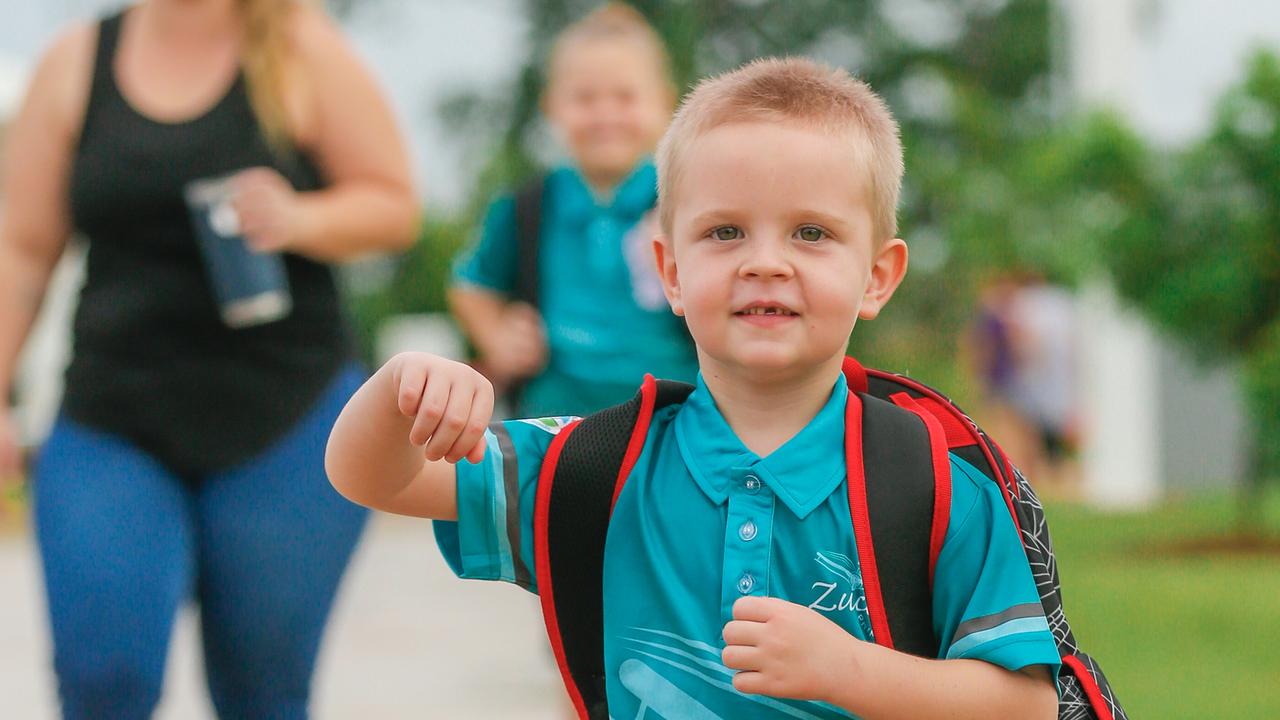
{"points": [[421, 51]]}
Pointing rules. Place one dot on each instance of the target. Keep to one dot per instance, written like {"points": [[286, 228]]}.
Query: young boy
{"points": [[597, 321], [731, 581]]}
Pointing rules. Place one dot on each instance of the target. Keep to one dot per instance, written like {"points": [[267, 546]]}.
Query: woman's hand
{"points": [[270, 212], [10, 452]]}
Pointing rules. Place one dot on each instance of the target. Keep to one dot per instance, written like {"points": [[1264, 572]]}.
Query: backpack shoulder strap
{"points": [[893, 465], [582, 475], [528, 201]]}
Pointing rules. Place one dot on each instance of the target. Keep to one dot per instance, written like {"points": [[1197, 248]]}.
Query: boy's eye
{"points": [[726, 233], [811, 234]]}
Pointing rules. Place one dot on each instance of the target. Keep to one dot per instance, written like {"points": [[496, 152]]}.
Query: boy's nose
{"points": [[767, 259]]}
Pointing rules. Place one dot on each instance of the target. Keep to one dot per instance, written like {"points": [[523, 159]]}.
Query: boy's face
{"points": [[771, 257], [609, 102]]}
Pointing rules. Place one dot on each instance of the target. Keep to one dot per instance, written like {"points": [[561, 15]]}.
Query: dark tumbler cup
{"points": [[251, 288]]}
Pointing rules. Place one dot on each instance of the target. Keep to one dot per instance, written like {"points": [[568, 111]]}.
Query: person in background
{"points": [[1044, 387], [601, 321], [188, 458], [1021, 349]]}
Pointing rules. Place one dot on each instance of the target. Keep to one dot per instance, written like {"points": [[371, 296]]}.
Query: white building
{"points": [[1158, 424]]}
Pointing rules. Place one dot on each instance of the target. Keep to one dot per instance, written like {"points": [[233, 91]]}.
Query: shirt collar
{"points": [[803, 472], [633, 197]]}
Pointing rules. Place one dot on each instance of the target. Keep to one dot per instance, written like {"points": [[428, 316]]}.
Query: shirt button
{"points": [[752, 484], [745, 583], [748, 531]]}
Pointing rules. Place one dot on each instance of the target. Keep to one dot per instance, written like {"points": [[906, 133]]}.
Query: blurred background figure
{"points": [[560, 295], [987, 350], [210, 353], [1022, 348], [1044, 390]]}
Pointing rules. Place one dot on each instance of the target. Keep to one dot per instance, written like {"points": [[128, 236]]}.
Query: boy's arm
{"points": [[395, 443], [508, 335], [787, 650]]}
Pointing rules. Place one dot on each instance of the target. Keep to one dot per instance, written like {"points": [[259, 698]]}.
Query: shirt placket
{"points": [[747, 541]]}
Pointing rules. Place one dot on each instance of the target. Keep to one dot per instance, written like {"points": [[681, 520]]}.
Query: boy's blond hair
{"points": [[614, 21], [799, 91]]}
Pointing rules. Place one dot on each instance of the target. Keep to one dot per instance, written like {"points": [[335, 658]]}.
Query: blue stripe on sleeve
{"points": [[971, 642]]}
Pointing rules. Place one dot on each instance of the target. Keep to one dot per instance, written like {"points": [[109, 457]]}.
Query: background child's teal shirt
{"points": [[703, 521], [607, 320]]}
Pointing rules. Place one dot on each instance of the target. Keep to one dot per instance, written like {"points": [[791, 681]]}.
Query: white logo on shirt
{"points": [[833, 597]]}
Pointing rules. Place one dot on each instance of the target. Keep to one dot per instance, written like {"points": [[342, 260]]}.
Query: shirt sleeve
{"points": [[986, 605], [493, 536], [490, 261]]}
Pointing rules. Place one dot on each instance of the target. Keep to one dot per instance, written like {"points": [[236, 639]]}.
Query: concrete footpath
{"points": [[408, 640]]}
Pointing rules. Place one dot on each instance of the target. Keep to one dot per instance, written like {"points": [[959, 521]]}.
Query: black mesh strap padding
{"points": [[577, 523], [528, 241], [898, 466]]}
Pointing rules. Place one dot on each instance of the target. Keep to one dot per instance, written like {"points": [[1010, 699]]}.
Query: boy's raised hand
{"points": [[450, 402], [786, 650]]}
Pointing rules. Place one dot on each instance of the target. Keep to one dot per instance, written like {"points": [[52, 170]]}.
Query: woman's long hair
{"points": [[267, 65]]}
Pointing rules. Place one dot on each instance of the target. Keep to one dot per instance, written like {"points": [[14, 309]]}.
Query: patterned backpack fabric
{"points": [[588, 464], [1085, 692]]}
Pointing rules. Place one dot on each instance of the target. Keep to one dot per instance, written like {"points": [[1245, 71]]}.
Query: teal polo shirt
{"points": [[703, 521], [607, 320]]}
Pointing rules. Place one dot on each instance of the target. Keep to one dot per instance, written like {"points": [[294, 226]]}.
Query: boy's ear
{"points": [[888, 267], [664, 254]]}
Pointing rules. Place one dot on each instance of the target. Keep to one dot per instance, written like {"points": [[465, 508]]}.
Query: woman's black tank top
{"points": [[152, 360]]}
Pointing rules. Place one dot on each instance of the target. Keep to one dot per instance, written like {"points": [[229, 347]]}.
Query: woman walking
{"points": [[216, 154]]}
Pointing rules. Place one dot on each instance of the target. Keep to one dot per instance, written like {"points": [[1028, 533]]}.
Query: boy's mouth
{"points": [[766, 309]]}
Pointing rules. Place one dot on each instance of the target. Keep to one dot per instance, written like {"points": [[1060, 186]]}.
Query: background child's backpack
{"points": [[896, 452], [529, 199]]}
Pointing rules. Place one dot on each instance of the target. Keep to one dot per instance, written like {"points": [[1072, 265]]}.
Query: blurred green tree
{"points": [[1207, 267]]}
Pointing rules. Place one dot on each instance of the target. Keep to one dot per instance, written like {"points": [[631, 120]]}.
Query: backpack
{"points": [[528, 289], [528, 201], [898, 436]]}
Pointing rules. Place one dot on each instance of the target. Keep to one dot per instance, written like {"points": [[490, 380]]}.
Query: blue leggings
{"points": [[262, 547]]}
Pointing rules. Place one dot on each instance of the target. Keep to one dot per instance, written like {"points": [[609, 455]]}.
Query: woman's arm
{"points": [[34, 220], [343, 121]]}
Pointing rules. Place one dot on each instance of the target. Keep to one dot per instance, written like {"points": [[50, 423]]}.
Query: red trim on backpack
{"points": [[1090, 687], [861, 520], [542, 562], [854, 374], [1004, 476], [941, 476], [959, 434], [648, 397]]}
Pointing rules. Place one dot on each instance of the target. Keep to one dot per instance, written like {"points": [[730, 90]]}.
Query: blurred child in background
{"points": [[573, 328]]}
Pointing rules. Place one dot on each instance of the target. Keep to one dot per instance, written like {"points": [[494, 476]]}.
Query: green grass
{"points": [[1179, 635]]}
